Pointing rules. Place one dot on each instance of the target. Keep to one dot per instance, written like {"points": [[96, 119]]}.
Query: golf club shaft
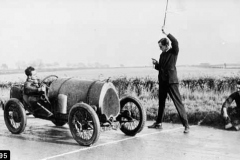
{"points": [[165, 14]]}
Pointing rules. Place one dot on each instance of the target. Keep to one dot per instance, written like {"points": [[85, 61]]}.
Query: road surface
{"points": [[42, 140]]}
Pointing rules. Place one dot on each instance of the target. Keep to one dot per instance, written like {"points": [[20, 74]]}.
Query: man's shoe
{"points": [[186, 130], [228, 126], [237, 127], [156, 126]]}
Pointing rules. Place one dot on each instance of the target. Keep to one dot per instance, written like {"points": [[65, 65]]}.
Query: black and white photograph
{"points": [[104, 80]]}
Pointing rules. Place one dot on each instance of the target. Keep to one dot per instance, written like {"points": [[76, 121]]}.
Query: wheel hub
{"points": [[16, 117]]}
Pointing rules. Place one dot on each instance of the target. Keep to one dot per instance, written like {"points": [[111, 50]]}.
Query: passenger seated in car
{"points": [[32, 84], [34, 92]]}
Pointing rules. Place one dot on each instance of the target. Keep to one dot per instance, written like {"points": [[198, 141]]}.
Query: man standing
{"points": [[168, 81], [235, 96]]}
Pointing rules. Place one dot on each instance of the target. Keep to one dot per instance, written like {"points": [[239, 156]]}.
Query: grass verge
{"points": [[202, 97]]}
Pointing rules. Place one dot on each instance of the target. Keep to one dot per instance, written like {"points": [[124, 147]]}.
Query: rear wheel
{"points": [[15, 116], [84, 124], [134, 109]]}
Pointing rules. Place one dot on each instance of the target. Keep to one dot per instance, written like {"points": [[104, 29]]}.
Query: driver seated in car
{"points": [[34, 92]]}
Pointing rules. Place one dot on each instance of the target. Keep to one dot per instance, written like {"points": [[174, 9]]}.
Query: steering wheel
{"points": [[46, 83]]}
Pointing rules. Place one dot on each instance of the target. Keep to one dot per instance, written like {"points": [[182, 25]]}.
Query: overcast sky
{"points": [[117, 32]]}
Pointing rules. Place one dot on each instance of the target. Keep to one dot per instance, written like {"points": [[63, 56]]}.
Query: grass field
{"points": [[183, 72], [203, 90], [202, 97]]}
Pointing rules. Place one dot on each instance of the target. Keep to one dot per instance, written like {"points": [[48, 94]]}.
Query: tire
{"points": [[137, 112], [58, 123], [15, 116], [83, 119]]}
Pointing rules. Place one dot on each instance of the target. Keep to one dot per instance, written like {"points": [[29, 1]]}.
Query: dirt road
{"points": [[42, 140]]}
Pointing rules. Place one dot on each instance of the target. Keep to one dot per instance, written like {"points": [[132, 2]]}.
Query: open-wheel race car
{"points": [[85, 105]]}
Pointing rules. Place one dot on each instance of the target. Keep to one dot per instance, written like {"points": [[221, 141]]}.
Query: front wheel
{"points": [[15, 116], [137, 113], [84, 124]]}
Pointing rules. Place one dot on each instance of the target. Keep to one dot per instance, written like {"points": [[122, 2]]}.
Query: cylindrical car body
{"points": [[100, 94]]}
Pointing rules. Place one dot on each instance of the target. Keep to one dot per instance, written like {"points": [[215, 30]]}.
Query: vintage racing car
{"points": [[85, 105]]}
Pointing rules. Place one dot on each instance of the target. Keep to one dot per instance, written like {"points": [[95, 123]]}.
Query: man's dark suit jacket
{"points": [[235, 96], [167, 63], [31, 87]]}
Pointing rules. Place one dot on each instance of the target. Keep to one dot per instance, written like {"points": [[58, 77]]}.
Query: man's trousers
{"points": [[173, 91]]}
